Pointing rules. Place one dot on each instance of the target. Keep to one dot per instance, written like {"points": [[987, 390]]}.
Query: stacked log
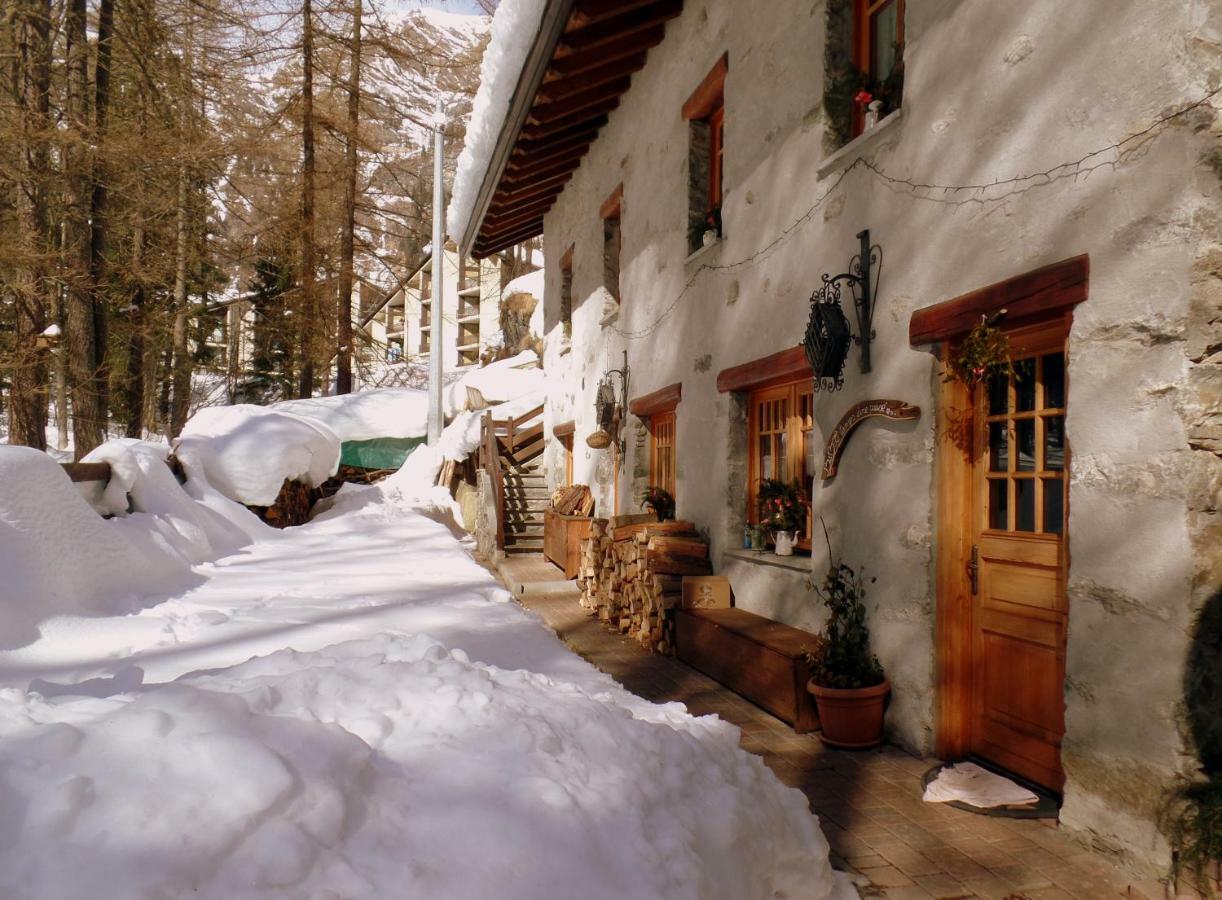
{"points": [[631, 575]]}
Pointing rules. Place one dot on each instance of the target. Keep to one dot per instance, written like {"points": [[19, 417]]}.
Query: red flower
{"points": [[863, 97]]}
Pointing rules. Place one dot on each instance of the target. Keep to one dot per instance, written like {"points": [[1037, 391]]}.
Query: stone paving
{"points": [[869, 802]]}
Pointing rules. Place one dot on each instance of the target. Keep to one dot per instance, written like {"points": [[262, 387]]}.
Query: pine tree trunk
{"points": [[307, 318], [135, 350], [98, 203], [27, 398], [343, 331], [181, 402], [88, 428]]}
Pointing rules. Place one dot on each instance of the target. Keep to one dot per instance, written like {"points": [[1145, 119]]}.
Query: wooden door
{"points": [[1019, 561]]}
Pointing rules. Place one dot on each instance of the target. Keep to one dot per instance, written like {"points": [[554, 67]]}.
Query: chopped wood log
{"points": [[679, 546], [625, 531]]}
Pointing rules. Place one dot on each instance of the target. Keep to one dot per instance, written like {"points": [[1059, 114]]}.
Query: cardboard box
{"points": [[707, 592]]}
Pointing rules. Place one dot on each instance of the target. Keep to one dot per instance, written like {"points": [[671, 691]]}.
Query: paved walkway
{"points": [[869, 802]]}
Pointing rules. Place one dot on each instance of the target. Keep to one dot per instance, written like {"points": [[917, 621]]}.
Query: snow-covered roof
{"points": [[513, 28], [515, 124]]}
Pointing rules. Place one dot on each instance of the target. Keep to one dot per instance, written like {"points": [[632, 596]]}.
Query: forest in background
{"points": [[160, 159]]}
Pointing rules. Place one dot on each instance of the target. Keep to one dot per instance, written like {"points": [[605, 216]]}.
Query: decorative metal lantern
{"points": [[608, 411], [828, 332], [827, 342]]}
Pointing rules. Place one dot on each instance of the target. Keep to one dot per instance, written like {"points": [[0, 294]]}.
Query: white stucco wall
{"points": [[992, 91]]}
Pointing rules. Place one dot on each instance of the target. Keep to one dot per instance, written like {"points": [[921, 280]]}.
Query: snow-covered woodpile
{"points": [[631, 575]]}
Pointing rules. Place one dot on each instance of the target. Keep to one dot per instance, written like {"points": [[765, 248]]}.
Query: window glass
{"points": [[1054, 505], [884, 36], [1024, 504]]}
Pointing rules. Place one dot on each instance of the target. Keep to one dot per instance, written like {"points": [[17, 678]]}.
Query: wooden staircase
{"points": [[526, 497], [509, 450]]}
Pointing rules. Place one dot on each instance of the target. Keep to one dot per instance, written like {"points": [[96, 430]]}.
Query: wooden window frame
{"points": [[798, 428], [657, 409], [663, 452], [566, 292], [612, 210], [707, 104], [863, 45]]}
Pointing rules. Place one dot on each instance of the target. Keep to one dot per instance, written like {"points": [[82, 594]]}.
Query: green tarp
{"points": [[379, 453]]}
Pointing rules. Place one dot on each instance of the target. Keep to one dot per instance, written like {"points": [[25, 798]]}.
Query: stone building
{"points": [[1040, 544], [399, 328]]}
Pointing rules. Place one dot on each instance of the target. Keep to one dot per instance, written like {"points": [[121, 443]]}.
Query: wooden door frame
{"points": [[1047, 293], [952, 588]]}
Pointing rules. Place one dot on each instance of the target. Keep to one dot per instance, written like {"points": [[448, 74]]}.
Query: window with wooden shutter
{"points": [[781, 421]]}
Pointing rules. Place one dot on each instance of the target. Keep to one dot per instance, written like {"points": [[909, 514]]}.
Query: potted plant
{"points": [[984, 353], [782, 510], [846, 680], [660, 502]]}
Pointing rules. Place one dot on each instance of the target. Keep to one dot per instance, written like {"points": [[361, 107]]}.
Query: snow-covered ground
{"points": [[349, 709]]}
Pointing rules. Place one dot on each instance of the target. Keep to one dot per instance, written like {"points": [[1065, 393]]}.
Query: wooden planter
{"points": [[562, 537]]}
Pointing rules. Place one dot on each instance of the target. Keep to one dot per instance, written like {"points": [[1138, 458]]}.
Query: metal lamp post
{"points": [[436, 414]]}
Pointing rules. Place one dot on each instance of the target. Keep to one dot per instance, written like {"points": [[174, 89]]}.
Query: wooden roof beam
{"points": [[528, 149], [572, 123], [516, 216], [531, 192], [590, 12], [486, 246], [581, 63], [543, 168], [558, 168], [562, 87], [628, 24], [544, 113]]}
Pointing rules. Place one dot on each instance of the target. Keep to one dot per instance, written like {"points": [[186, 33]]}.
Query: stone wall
{"points": [[991, 91]]}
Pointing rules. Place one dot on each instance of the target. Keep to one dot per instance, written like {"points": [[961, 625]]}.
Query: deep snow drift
{"points": [[355, 709], [248, 451]]}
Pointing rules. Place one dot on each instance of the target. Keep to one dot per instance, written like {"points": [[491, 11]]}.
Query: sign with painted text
{"points": [[889, 409]]}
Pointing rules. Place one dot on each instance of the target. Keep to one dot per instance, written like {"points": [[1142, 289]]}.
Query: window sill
{"points": [[853, 149], [701, 251], [800, 564]]}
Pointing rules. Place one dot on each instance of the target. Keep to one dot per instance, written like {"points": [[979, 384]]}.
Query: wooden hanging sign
{"points": [[889, 409]]}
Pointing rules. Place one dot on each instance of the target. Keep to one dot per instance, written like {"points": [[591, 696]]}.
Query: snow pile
{"points": [[247, 452], [424, 736], [513, 30], [500, 382], [365, 415], [530, 283], [391, 767], [58, 556]]}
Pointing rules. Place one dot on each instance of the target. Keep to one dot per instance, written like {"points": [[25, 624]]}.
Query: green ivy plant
{"points": [[1193, 822], [842, 658], [985, 352], [1192, 818]]}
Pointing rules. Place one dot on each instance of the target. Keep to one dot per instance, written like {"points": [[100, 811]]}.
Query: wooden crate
{"points": [[753, 656], [562, 537]]}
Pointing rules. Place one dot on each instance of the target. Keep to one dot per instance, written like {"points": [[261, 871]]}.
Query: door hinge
{"points": [[973, 569]]}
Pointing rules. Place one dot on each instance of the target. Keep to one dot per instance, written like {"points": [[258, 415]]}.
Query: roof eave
{"points": [[551, 27]]}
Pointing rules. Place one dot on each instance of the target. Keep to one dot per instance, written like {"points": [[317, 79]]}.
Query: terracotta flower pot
{"points": [[851, 717]]}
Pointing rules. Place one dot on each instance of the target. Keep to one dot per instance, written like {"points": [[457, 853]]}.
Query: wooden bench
{"points": [[753, 656]]}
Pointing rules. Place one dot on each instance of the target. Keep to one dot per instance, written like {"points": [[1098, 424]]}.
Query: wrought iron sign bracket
{"points": [[828, 332]]}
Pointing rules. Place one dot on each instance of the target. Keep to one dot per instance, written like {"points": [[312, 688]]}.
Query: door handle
{"points": [[973, 569]]}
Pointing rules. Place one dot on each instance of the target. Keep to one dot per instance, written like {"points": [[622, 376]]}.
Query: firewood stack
{"points": [[632, 571], [575, 500]]}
